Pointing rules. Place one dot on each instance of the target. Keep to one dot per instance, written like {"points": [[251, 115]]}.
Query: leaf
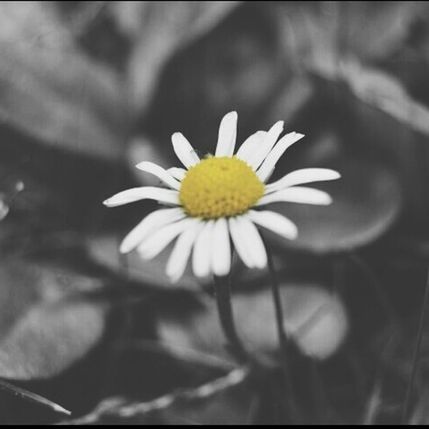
{"points": [[49, 338], [380, 91], [48, 89], [160, 29], [318, 33], [43, 328], [362, 33], [314, 318], [385, 123], [364, 207]]}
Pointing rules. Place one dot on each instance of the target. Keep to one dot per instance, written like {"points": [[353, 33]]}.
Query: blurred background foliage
{"points": [[88, 89]]}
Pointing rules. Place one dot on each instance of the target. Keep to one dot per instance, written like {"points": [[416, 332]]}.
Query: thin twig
{"points": [[117, 408], [30, 397], [416, 355]]}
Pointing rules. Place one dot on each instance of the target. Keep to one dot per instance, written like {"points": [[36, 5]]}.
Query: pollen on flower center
{"points": [[220, 187]]}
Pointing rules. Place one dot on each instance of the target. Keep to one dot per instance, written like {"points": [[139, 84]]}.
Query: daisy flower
{"points": [[219, 200]]}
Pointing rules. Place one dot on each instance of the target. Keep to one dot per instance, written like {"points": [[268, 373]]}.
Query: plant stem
{"points": [[407, 404], [275, 289], [223, 300], [282, 336]]}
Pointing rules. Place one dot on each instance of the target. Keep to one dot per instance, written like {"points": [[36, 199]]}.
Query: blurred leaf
{"points": [[237, 66], [51, 91], [314, 318], [42, 331], [381, 91], [50, 338], [318, 33], [161, 28], [364, 207], [379, 119], [360, 31]]}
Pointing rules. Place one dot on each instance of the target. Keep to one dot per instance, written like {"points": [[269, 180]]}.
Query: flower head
{"points": [[217, 200]]}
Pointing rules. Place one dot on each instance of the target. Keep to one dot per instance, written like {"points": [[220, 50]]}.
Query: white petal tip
{"points": [[202, 275], [327, 201], [261, 265], [141, 165], [124, 249], [221, 273], [293, 233], [142, 254], [107, 203], [173, 278]]}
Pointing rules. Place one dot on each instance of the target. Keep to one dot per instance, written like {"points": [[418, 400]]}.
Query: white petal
{"points": [[184, 151], [271, 160], [221, 252], [274, 222], [304, 175], [159, 172], [240, 243], [150, 223], [177, 173], [227, 135], [266, 145], [250, 145], [178, 259], [297, 194], [254, 241], [201, 257], [160, 239], [144, 192]]}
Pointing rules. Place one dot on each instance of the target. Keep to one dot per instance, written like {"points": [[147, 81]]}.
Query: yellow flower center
{"points": [[220, 187]]}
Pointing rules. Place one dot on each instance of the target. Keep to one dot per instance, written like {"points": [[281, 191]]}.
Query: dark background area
{"points": [[89, 89]]}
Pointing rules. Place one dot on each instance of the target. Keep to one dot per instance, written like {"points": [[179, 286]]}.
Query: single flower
{"points": [[218, 199]]}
